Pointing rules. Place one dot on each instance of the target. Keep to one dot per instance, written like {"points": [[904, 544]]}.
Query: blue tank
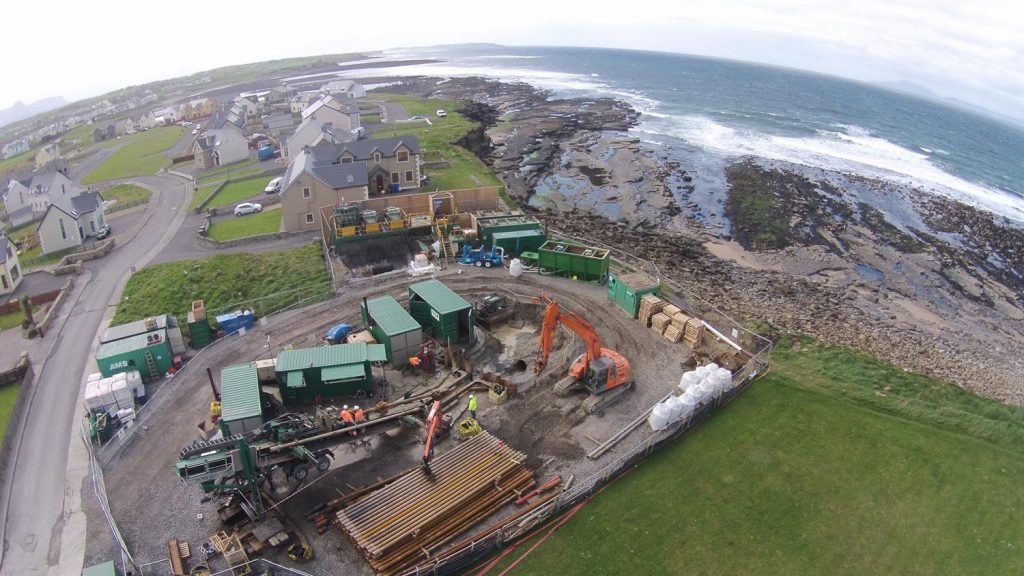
{"points": [[338, 333]]}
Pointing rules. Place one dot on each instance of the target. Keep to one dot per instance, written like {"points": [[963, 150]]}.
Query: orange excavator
{"points": [[601, 371], [435, 422]]}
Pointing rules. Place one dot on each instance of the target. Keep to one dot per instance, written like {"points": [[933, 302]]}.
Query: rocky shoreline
{"points": [[918, 280]]}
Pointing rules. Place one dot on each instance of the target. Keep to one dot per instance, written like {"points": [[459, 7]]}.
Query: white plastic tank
{"points": [[687, 404], [515, 268], [659, 417], [726, 377], [674, 408], [689, 380], [94, 377]]}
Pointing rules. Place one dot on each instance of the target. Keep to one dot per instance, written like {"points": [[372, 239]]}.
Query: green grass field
{"points": [[829, 464], [27, 157], [34, 258], [235, 192], [8, 396], [234, 227], [465, 170], [142, 154], [224, 281], [230, 171], [127, 193]]}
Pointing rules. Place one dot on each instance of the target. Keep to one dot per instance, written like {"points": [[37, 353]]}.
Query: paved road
{"points": [[36, 506]]}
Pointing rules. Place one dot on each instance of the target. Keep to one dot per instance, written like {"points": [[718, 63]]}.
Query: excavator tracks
{"points": [[566, 385], [595, 404]]}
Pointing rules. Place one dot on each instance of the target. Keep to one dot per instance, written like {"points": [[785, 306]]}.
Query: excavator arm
{"points": [[553, 316]]}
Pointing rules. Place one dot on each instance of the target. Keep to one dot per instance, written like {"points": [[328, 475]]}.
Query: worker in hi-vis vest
{"points": [[472, 407]]}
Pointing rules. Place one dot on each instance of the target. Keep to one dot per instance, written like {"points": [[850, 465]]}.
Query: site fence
{"points": [[756, 350]]}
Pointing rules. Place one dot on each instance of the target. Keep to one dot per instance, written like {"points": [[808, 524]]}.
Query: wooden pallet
{"points": [[693, 333], [673, 334], [671, 310], [679, 320], [649, 306]]}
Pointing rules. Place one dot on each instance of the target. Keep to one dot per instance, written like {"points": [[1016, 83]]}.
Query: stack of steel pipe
{"points": [[414, 516]]}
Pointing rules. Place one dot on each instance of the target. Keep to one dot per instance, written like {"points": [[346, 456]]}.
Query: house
{"points": [[302, 100], [69, 221], [144, 120], [310, 184], [249, 105], [343, 115], [27, 200], [233, 116], [280, 94], [47, 154], [200, 108], [169, 115], [10, 270], [104, 131], [220, 147], [124, 126], [312, 132], [393, 164], [279, 124], [16, 147], [344, 89]]}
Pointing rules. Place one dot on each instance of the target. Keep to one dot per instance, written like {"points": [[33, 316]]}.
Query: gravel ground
{"points": [[151, 505]]}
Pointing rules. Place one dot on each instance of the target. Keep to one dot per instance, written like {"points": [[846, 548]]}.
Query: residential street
{"points": [[36, 515]]}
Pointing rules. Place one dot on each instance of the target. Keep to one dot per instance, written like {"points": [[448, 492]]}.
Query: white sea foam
{"points": [[853, 149], [503, 57]]}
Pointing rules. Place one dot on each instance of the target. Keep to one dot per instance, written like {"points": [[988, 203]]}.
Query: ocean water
{"points": [[708, 111]]}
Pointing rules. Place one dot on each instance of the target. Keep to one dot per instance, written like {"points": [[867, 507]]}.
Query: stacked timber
{"points": [[659, 321], [679, 320], [693, 333], [649, 306], [673, 333], [670, 310], [411, 518]]}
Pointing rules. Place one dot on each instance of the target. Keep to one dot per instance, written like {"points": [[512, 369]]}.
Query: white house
{"points": [[342, 114], [302, 100], [69, 221], [220, 147], [344, 89], [312, 132], [10, 270], [27, 200]]}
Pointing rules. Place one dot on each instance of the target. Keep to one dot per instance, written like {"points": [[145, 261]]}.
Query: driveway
{"points": [[41, 515]]}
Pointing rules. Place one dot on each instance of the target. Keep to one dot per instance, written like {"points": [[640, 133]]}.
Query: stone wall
{"points": [[22, 372], [54, 309]]}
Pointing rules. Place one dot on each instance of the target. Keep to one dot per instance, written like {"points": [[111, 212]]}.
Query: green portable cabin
{"points": [[435, 306], [149, 353], [393, 327], [199, 331], [626, 290], [515, 242], [574, 261], [240, 402], [163, 323], [327, 371], [107, 568], [515, 233]]}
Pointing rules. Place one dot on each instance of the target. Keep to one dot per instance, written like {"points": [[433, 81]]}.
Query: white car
{"points": [[441, 113], [274, 186], [195, 130], [248, 208]]}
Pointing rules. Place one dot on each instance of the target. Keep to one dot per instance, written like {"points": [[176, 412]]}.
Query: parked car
{"points": [[441, 113], [248, 208], [103, 232], [195, 130], [274, 186]]}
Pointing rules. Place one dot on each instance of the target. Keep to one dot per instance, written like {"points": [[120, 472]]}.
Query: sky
{"points": [[973, 51]]}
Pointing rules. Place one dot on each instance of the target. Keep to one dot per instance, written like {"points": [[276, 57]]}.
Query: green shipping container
{"points": [[327, 371], [516, 242], [626, 290], [149, 353], [436, 306], [574, 261], [394, 328]]}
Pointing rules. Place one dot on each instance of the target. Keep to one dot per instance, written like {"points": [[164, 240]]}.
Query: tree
{"points": [[26, 307]]}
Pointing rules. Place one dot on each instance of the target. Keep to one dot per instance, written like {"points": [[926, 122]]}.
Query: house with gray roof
{"points": [[309, 185], [342, 114], [393, 164], [343, 89], [312, 132], [10, 269], [27, 200], [220, 147], [69, 221]]}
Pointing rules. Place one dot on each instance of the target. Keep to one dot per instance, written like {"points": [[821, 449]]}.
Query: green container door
{"points": [[152, 361], [628, 289]]}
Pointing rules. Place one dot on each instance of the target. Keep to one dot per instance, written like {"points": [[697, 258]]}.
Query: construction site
{"points": [[422, 419]]}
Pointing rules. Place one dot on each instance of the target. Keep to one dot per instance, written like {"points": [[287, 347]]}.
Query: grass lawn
{"points": [[233, 227], [201, 194], [142, 154], [804, 474], [127, 193], [82, 134], [235, 192], [224, 282], [223, 172], [22, 232], [466, 170], [8, 396], [34, 258], [13, 319], [26, 157]]}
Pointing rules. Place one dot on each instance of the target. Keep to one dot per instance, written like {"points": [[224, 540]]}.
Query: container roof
{"points": [[638, 280], [508, 234], [391, 317], [322, 356], [131, 329], [239, 392], [347, 372], [439, 296], [128, 344]]}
